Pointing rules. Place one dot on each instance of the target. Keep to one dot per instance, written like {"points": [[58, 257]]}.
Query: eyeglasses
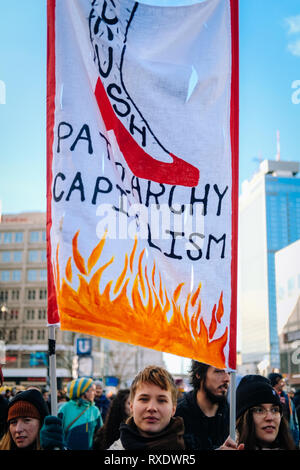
{"points": [[261, 411]]}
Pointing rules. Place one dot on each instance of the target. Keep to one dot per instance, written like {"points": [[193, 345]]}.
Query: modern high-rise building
{"points": [[269, 219]]}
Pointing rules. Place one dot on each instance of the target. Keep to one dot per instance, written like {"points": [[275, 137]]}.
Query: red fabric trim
{"points": [[53, 316], [234, 132], [143, 165]]}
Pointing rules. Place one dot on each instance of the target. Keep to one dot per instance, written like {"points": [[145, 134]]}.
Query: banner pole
{"points": [[232, 404], [52, 369]]}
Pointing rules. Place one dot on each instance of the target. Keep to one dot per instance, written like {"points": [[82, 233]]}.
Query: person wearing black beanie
{"points": [[25, 415], [260, 424]]}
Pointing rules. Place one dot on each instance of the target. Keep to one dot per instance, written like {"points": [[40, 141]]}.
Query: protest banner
{"points": [[142, 173]]}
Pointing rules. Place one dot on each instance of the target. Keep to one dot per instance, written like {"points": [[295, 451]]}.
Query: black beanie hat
{"points": [[274, 377], [254, 390], [34, 397]]}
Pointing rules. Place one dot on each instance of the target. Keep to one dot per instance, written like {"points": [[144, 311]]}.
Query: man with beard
{"points": [[205, 409]]}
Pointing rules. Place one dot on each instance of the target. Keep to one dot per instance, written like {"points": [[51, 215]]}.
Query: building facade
{"points": [[23, 314], [23, 303], [287, 265], [269, 219]]}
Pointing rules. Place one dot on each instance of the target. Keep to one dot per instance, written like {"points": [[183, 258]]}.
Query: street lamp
{"points": [[4, 309]]}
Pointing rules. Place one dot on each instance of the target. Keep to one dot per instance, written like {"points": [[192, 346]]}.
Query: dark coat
{"points": [[3, 415], [202, 432], [103, 403]]}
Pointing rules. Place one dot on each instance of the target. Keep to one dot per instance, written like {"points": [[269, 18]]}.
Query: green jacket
{"points": [[80, 435]]}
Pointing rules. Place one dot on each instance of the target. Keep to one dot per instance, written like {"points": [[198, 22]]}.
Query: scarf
{"points": [[170, 438]]}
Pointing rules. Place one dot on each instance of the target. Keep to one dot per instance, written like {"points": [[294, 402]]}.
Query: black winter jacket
{"points": [[202, 432]]}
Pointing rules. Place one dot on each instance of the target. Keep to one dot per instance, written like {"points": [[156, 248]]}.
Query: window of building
{"points": [[16, 275], [3, 295], [43, 275], [41, 335], [19, 237], [44, 236], [280, 293], [7, 237], [17, 256], [29, 335], [43, 294], [6, 256], [14, 314], [15, 294], [33, 256], [11, 256], [291, 285], [30, 314], [12, 336], [43, 256], [31, 294], [5, 276], [34, 237], [32, 275], [42, 314]]}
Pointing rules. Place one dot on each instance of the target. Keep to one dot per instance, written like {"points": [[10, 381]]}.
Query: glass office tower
{"points": [[269, 219]]}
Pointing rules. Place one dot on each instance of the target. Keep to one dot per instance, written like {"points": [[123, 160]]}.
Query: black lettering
{"points": [[98, 189], [155, 195], [106, 73], [107, 144], [170, 202], [104, 17], [203, 200], [151, 244], [212, 238], [141, 131], [97, 23], [78, 186], [136, 187], [220, 195], [58, 198], [174, 235], [64, 136], [189, 252], [91, 17], [110, 89], [121, 201], [85, 129], [123, 170]]}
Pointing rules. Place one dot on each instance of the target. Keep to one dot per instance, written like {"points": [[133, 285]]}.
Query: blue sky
{"points": [[269, 65]]}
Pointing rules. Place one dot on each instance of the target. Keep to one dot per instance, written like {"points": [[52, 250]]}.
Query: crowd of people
{"points": [[155, 414]]}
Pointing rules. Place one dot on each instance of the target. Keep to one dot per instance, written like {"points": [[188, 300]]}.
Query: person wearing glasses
{"points": [[260, 423]]}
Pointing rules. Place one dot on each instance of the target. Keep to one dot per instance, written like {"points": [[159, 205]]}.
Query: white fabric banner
{"points": [[142, 187]]}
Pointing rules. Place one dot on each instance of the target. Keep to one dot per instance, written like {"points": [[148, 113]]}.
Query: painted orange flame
{"points": [[142, 318]]}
